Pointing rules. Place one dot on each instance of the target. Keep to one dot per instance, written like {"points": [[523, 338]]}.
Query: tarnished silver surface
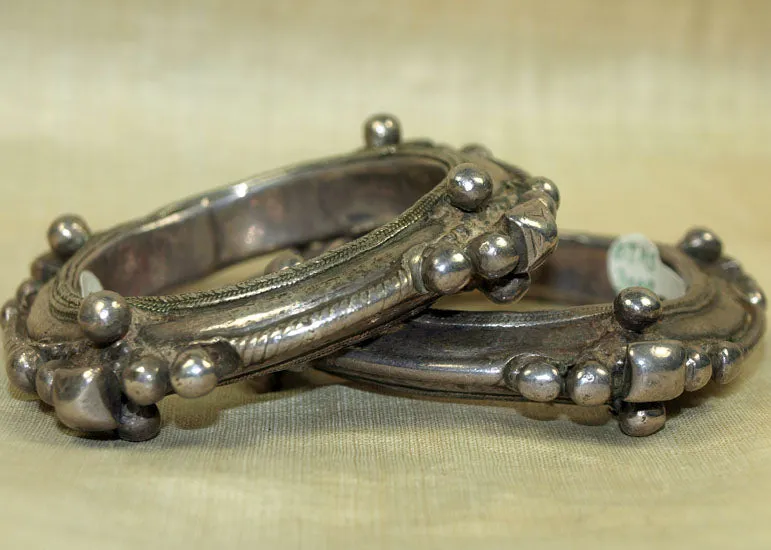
{"points": [[193, 373], [138, 423], [104, 317], [636, 308], [639, 420], [86, 398], [146, 380], [421, 209], [631, 352], [67, 235], [589, 384], [44, 380], [534, 379]]}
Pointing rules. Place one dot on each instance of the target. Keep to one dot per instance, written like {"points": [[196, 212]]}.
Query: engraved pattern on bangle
{"points": [[104, 360]]}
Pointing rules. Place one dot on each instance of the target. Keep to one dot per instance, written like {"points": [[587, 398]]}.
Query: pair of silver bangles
{"points": [[376, 237]]}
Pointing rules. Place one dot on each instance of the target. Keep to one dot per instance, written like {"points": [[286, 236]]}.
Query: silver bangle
{"points": [[632, 355], [104, 358]]}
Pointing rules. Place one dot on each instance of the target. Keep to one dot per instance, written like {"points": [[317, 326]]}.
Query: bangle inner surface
{"points": [[205, 234], [574, 275]]}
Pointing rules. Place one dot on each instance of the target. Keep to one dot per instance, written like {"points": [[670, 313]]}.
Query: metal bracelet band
{"points": [[632, 354], [455, 220]]}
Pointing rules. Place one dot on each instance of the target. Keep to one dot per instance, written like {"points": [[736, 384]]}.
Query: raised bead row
{"points": [[96, 398]]}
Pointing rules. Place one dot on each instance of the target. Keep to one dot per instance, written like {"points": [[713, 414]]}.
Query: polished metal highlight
{"points": [[68, 234], [631, 352], [98, 332]]}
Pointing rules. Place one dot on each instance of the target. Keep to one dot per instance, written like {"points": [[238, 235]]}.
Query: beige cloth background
{"points": [[651, 116]]}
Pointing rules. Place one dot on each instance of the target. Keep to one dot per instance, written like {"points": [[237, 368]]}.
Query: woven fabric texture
{"points": [[651, 116]]}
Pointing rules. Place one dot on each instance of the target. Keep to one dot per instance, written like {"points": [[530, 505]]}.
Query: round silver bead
{"points": [[104, 317], [446, 270], [67, 234], [726, 362], [22, 366], [636, 308], [193, 373], [698, 370], [731, 268], [381, 130], [45, 267], [589, 384], [469, 187], [545, 185], [146, 380], [138, 423], [494, 255], [539, 381], [284, 260], [27, 292], [44, 380], [642, 420], [702, 245]]}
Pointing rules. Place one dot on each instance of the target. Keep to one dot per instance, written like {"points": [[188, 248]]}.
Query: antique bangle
{"points": [[633, 354], [103, 358]]}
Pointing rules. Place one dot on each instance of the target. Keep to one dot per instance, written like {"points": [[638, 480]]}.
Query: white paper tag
{"points": [[633, 260], [89, 283]]}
